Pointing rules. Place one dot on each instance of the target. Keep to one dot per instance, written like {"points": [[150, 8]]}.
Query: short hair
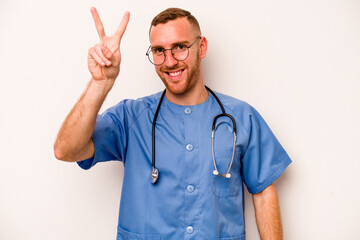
{"points": [[172, 14]]}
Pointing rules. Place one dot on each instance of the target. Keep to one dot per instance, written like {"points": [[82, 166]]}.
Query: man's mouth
{"points": [[175, 74]]}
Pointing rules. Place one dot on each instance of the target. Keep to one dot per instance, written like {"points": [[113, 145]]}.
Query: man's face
{"points": [[179, 77]]}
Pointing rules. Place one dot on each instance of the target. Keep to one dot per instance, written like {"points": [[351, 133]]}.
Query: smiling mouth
{"points": [[175, 73]]}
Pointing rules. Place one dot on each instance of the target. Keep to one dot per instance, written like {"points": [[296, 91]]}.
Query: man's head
{"points": [[175, 13], [174, 29]]}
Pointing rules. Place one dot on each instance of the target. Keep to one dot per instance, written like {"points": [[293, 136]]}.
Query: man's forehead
{"points": [[176, 30]]}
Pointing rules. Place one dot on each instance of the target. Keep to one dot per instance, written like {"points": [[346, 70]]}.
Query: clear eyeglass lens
{"points": [[180, 54], [156, 58], [179, 49]]}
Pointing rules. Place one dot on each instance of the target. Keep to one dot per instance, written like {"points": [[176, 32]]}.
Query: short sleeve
{"points": [[109, 137], [264, 159]]}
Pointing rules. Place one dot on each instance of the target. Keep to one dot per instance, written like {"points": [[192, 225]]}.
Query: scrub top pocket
{"points": [[227, 187], [223, 149]]}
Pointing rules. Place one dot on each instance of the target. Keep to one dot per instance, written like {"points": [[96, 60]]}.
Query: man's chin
{"points": [[176, 88]]}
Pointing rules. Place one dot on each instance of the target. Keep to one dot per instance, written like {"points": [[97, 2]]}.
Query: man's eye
{"points": [[180, 47], [158, 51]]}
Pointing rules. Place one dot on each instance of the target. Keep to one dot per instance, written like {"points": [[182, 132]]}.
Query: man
{"points": [[194, 189]]}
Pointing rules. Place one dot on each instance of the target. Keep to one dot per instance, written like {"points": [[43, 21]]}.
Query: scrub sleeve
{"points": [[109, 137], [264, 159]]}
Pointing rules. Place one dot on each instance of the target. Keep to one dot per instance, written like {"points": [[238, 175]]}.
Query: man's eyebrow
{"points": [[172, 45]]}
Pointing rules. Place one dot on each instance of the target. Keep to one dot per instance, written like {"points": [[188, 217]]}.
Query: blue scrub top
{"points": [[188, 201]]}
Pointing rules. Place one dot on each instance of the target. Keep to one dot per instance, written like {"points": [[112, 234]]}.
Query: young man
{"points": [[186, 151]]}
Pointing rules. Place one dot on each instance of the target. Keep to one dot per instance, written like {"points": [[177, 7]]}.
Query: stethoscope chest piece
{"points": [[154, 175]]}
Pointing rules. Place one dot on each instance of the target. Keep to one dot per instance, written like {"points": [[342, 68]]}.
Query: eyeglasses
{"points": [[180, 52]]}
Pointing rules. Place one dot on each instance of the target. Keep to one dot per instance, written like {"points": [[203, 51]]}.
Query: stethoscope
{"points": [[155, 171]]}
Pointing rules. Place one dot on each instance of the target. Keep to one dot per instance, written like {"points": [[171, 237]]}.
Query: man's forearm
{"points": [[74, 139], [267, 213]]}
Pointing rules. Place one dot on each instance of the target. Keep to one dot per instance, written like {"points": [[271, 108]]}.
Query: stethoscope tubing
{"points": [[155, 171]]}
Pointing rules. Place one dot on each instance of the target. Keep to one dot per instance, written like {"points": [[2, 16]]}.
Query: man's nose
{"points": [[170, 61]]}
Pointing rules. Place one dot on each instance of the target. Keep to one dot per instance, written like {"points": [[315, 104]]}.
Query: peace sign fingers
{"points": [[104, 59], [122, 27], [98, 24]]}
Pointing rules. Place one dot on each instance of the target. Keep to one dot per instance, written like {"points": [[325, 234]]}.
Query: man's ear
{"points": [[203, 47]]}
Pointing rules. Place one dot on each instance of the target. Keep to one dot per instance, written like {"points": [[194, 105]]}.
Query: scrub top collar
{"points": [[181, 110]]}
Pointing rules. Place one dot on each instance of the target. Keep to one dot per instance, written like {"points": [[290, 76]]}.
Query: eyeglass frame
{"points": [[188, 48]]}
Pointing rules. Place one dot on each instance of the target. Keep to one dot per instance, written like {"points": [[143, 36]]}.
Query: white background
{"points": [[296, 62]]}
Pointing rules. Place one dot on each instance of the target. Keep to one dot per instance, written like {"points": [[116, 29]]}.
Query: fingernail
{"points": [[108, 63]]}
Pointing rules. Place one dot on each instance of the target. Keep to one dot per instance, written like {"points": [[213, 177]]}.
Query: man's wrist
{"points": [[100, 88], [96, 93]]}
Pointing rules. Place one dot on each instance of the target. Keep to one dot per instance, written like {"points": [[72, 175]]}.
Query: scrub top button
{"points": [[189, 229], [189, 147], [190, 188], [187, 110]]}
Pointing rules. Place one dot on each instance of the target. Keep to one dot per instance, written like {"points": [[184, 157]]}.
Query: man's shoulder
{"points": [[133, 108], [146, 102], [242, 111], [232, 103]]}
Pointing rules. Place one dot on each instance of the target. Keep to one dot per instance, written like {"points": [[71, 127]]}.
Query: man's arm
{"points": [[74, 142], [267, 214]]}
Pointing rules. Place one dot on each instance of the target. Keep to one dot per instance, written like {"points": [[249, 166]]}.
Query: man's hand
{"points": [[104, 58]]}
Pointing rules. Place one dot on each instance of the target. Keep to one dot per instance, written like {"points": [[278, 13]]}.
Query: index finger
{"points": [[123, 24], [98, 24]]}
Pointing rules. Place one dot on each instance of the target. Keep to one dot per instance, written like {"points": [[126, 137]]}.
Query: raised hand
{"points": [[104, 58]]}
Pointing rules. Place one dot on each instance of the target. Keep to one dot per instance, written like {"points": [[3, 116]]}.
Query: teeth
{"points": [[174, 74]]}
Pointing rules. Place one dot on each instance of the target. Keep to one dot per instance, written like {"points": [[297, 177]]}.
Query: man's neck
{"points": [[198, 94]]}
